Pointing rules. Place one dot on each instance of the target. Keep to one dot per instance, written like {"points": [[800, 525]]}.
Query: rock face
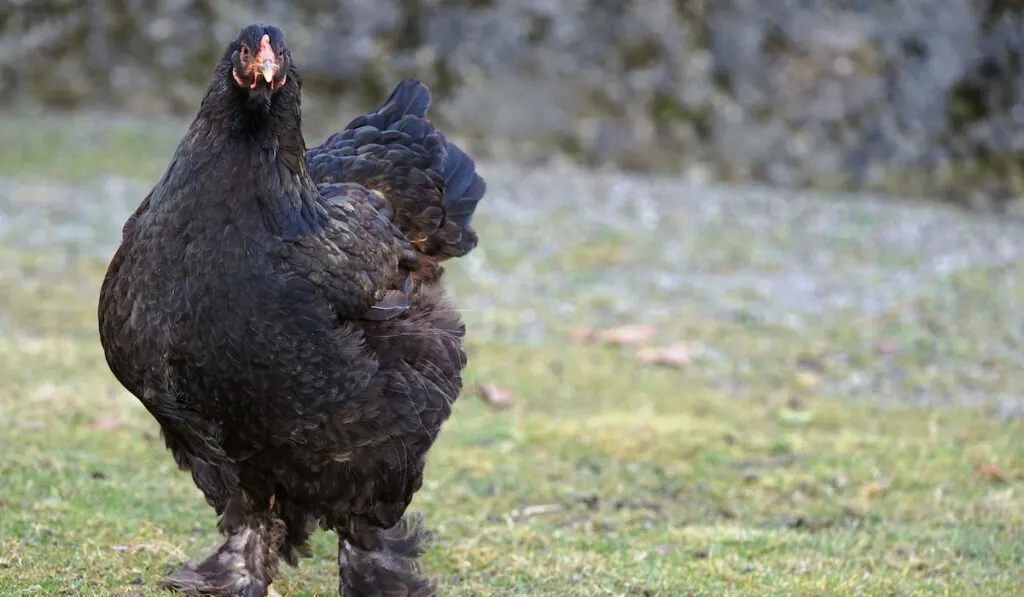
{"points": [[913, 96]]}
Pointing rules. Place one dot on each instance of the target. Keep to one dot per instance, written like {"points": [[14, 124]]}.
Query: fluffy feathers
{"points": [[280, 313]]}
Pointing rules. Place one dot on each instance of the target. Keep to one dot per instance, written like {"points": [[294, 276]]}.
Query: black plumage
{"points": [[280, 313]]}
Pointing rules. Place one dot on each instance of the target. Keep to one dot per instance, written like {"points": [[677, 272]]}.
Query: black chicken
{"points": [[280, 313]]}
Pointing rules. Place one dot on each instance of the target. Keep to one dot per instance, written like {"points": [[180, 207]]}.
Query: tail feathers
{"points": [[397, 151], [391, 569], [401, 119], [463, 187], [409, 98]]}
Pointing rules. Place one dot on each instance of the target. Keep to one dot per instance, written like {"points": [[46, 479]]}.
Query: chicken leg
{"points": [[388, 569], [245, 563]]}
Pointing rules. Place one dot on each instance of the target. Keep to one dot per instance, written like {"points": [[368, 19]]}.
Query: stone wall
{"points": [[918, 97]]}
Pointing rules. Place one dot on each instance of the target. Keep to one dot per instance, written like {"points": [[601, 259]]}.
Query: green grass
{"points": [[80, 147], [650, 480]]}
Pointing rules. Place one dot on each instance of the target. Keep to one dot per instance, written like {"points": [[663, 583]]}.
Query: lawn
{"points": [[856, 453]]}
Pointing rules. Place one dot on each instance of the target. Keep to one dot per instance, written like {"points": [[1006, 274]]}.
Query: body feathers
{"points": [[239, 309]]}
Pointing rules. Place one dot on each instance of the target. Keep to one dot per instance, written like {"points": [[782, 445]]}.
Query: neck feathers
{"points": [[273, 123], [255, 150]]}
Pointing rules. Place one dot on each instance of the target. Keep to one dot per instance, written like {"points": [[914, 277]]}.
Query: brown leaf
{"points": [[623, 334], [991, 472], [105, 423], [494, 395], [584, 335], [627, 334], [674, 355], [871, 490]]}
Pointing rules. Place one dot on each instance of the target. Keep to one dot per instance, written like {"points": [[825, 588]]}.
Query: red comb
{"points": [[265, 49]]}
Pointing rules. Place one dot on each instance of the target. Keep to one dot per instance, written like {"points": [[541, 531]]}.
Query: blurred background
{"points": [[899, 96], [744, 317]]}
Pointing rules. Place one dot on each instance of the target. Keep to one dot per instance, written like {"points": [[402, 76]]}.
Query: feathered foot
{"points": [[391, 568], [243, 566]]}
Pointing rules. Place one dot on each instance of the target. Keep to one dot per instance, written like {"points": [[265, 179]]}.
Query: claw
{"points": [[394, 303]]}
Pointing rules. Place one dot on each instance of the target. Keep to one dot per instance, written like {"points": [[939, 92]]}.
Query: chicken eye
{"points": [[245, 51]]}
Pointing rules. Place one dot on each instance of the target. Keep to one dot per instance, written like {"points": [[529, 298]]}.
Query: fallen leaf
{"points": [[628, 334], [584, 335], [623, 334], [105, 423], [541, 509], [674, 355], [871, 490], [992, 472], [494, 395], [1003, 498]]}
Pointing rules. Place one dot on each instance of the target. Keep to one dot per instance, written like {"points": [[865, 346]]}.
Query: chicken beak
{"points": [[266, 62], [268, 69]]}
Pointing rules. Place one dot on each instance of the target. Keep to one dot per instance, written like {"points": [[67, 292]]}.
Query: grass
{"points": [[78, 147], [605, 477]]}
